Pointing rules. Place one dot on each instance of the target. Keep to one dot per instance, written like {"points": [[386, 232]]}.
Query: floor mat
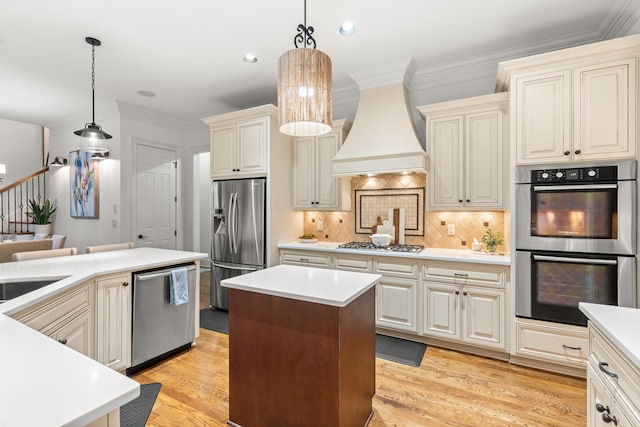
{"points": [[136, 413], [215, 320], [399, 350]]}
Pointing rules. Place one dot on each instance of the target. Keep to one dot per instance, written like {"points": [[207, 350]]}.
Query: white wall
{"points": [[20, 150]]}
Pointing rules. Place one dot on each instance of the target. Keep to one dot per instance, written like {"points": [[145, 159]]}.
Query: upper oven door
{"points": [[588, 218]]}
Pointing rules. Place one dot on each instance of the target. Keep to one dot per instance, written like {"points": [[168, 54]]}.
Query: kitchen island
{"points": [[301, 347], [44, 382]]}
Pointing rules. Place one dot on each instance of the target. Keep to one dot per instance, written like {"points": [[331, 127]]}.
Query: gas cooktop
{"points": [[372, 247]]}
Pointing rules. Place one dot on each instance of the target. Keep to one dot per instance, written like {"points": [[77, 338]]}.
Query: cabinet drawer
{"points": [[352, 263], [465, 274], [570, 347], [306, 259], [627, 381], [50, 312], [395, 268]]}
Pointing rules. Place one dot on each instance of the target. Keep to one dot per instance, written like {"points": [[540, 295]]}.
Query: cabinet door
{"points": [[597, 397], [542, 118], [76, 333], [114, 322], [327, 186], [441, 307], [484, 159], [223, 151], [304, 173], [445, 144], [396, 303], [605, 112], [483, 317], [252, 147]]}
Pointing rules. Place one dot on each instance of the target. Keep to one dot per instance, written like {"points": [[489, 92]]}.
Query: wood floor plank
{"points": [[449, 388]]}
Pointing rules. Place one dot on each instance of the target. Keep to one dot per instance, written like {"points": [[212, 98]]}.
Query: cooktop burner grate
{"points": [[372, 247]]}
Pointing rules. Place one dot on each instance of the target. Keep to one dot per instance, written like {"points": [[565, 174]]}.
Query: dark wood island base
{"points": [[297, 363]]}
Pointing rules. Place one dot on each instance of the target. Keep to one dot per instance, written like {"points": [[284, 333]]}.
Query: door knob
{"points": [[140, 236]]}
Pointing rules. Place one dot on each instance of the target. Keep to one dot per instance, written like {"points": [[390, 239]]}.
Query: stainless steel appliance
{"points": [[575, 239], [391, 248], [160, 328], [549, 285], [590, 208], [238, 233]]}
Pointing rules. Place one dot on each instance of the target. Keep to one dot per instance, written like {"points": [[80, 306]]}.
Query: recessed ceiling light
{"points": [[249, 58], [146, 93], [347, 28]]}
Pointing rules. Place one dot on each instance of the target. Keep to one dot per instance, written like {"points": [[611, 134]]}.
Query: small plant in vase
{"points": [[41, 214], [492, 239]]}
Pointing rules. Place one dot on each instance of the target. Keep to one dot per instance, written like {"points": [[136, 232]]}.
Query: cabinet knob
{"points": [[457, 292], [566, 153], [459, 200], [601, 408], [125, 283], [578, 151], [468, 200], [464, 293], [608, 419], [63, 341]]}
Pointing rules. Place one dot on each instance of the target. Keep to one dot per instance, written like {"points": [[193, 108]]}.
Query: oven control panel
{"points": [[587, 174]]}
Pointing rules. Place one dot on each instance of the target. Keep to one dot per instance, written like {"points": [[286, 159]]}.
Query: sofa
{"points": [[9, 248]]}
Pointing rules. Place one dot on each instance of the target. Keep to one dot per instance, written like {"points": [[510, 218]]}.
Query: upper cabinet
{"points": [[574, 105], [466, 149], [240, 142], [314, 187]]}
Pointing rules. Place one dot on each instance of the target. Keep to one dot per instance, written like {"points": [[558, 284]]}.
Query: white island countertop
{"points": [[619, 324], [317, 285], [44, 383], [457, 255]]}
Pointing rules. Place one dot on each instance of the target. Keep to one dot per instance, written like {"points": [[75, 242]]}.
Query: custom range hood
{"points": [[383, 137]]}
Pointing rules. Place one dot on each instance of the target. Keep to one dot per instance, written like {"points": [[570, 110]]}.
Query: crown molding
{"points": [[621, 17], [103, 113]]}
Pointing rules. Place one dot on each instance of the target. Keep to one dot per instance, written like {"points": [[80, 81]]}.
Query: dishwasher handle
{"points": [[161, 273]]}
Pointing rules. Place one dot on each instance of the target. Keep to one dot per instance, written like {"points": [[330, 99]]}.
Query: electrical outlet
{"points": [[451, 229], [320, 225]]}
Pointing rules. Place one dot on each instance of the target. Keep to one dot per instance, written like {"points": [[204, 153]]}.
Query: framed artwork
{"points": [[85, 195], [371, 204]]}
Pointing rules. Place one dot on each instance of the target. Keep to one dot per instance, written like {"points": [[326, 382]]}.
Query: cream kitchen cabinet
{"points": [[574, 105], [306, 259], [613, 384], [465, 303], [313, 185], [466, 148], [242, 141], [68, 318], [397, 294], [113, 309]]}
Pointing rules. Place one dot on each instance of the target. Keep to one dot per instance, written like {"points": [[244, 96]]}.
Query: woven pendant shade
{"points": [[304, 92]]}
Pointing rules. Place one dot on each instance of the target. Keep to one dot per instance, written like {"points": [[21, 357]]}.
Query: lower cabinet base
{"points": [[573, 371]]}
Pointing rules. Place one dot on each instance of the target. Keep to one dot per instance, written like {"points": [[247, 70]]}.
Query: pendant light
{"points": [[304, 86], [93, 138]]}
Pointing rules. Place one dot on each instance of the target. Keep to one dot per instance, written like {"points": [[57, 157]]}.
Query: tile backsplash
{"points": [[341, 226]]}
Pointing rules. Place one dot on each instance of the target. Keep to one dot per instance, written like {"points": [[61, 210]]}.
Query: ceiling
{"points": [[189, 53]]}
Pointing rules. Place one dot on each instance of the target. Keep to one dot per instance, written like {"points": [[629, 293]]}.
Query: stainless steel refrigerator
{"points": [[238, 230]]}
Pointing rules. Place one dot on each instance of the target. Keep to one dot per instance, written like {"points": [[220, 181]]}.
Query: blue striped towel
{"points": [[179, 288]]}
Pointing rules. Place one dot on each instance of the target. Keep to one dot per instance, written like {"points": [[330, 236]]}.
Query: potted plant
{"points": [[41, 214], [492, 239]]}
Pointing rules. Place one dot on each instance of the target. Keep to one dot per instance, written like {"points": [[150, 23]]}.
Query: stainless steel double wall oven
{"points": [[576, 231]]}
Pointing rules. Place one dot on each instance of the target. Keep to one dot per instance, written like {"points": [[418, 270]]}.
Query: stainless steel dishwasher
{"points": [[160, 329]]}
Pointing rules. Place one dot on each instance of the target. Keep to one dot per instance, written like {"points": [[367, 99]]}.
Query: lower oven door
{"points": [[549, 285]]}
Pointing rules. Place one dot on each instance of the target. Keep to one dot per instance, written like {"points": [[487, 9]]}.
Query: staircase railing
{"points": [[14, 202]]}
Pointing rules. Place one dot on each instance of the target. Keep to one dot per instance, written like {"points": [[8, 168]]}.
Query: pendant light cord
{"points": [[93, 84]]}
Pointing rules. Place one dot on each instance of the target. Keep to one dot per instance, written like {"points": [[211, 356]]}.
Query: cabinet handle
{"points": [[566, 153], [607, 419], [125, 283], [461, 274], [63, 341], [578, 151], [568, 347], [601, 408], [603, 367]]}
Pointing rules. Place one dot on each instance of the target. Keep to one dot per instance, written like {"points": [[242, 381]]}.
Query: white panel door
{"points": [[223, 151], [155, 201], [484, 161], [326, 185], [442, 311], [304, 173], [483, 317], [113, 309], [252, 147], [396, 303], [446, 158]]}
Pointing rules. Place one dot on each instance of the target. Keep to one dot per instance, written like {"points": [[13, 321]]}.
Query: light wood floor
{"points": [[447, 389]]}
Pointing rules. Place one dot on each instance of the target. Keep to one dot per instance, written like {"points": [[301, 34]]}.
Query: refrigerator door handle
{"points": [[255, 220], [235, 223], [229, 267], [230, 231]]}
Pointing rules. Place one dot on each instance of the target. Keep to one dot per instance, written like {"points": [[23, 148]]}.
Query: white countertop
{"points": [[619, 324], [317, 285], [459, 255], [44, 383]]}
